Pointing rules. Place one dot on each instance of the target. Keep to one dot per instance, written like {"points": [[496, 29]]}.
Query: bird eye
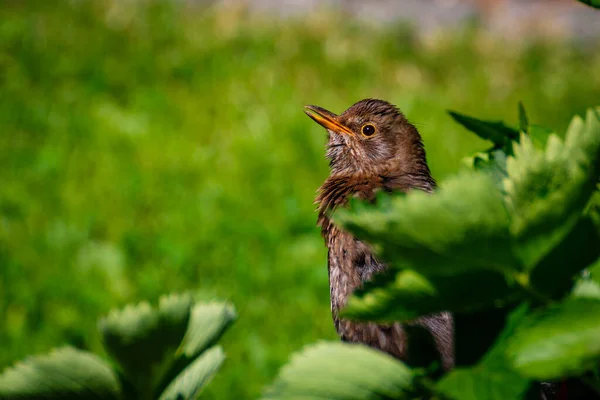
{"points": [[368, 130]]}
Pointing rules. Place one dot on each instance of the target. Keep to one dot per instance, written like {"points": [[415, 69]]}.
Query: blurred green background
{"points": [[148, 147]]}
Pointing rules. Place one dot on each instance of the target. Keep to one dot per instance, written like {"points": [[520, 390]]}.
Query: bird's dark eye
{"points": [[368, 130]]}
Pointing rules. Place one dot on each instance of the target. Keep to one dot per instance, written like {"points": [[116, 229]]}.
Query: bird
{"points": [[372, 147]]}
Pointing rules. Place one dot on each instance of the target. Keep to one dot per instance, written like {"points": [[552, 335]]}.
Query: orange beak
{"points": [[327, 120]]}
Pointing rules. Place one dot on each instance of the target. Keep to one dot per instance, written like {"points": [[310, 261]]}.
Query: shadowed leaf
{"points": [[555, 274], [494, 131], [523, 120], [405, 295], [143, 340], [492, 378]]}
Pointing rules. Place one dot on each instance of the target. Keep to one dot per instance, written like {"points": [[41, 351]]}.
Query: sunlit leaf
{"points": [[560, 341], [65, 373], [586, 288], [548, 190], [341, 371], [207, 323], [190, 382], [462, 227]]}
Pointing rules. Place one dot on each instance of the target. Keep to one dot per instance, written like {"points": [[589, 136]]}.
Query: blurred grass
{"points": [[150, 147]]}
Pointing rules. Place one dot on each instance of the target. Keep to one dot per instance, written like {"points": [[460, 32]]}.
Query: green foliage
{"points": [[494, 131], [161, 353], [559, 341], [340, 371], [207, 323], [546, 191], [501, 247], [463, 228]]}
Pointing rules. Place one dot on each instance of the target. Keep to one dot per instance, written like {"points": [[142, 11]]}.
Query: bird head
{"points": [[372, 138]]}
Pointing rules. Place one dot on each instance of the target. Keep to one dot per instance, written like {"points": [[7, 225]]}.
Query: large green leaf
{"points": [[401, 295], [492, 378], [65, 373], [190, 382], [207, 323], [494, 131], [561, 341], [593, 3], [143, 340], [547, 191], [463, 227], [341, 371]]}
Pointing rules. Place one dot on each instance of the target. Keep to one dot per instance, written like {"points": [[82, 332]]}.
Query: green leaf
{"points": [[65, 373], [557, 342], [208, 322], [405, 295], [190, 382], [492, 378], [341, 371], [492, 161], [523, 120], [547, 191], [586, 288], [462, 227], [143, 340], [592, 3], [494, 131], [539, 135]]}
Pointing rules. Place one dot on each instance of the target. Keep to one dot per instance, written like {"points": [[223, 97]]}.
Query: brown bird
{"points": [[371, 147]]}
